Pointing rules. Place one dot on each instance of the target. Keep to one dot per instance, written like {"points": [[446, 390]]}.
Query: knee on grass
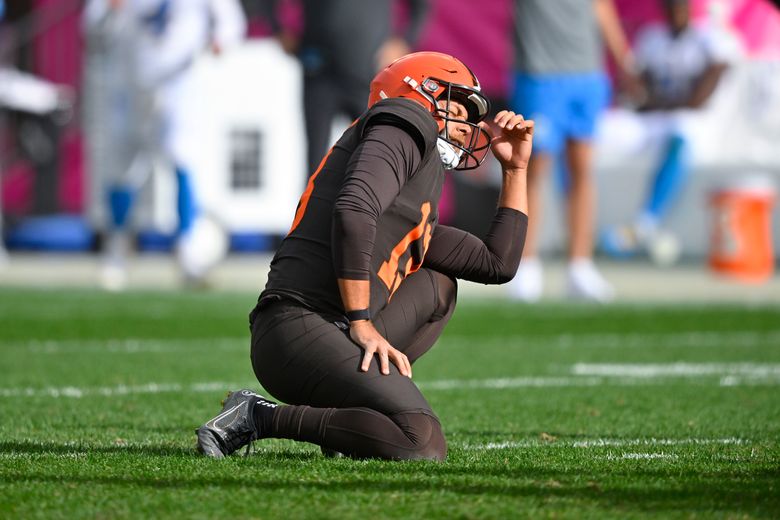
{"points": [[424, 433]]}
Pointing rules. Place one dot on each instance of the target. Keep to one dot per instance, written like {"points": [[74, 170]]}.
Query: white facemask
{"points": [[449, 155]]}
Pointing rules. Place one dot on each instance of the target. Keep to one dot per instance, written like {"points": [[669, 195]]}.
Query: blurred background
{"points": [[144, 144]]}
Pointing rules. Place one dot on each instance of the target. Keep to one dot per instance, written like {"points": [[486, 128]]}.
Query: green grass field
{"points": [[550, 411]]}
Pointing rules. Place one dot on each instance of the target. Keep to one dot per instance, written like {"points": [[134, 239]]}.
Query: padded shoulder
{"points": [[407, 115]]}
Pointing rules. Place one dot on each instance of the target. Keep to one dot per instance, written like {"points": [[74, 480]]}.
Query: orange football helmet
{"points": [[430, 78]]}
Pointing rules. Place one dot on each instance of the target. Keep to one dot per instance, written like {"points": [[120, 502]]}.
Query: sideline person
{"points": [[341, 47], [561, 83], [144, 109], [365, 281]]}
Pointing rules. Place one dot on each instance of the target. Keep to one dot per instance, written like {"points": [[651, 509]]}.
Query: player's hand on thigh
{"points": [[366, 336]]}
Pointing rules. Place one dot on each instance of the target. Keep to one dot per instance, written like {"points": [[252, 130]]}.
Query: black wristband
{"points": [[360, 314]]}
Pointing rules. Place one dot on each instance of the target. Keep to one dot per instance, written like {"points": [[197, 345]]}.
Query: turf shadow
{"points": [[43, 448], [707, 496]]}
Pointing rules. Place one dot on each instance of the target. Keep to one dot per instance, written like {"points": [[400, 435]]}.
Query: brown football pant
{"points": [[309, 361]]}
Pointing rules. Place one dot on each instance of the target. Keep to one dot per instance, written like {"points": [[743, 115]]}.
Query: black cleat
{"points": [[234, 427]]}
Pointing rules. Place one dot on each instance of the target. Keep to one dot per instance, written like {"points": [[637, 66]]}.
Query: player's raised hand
{"points": [[512, 145], [365, 335]]}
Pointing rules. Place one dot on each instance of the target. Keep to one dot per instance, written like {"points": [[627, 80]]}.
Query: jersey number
{"points": [[389, 271]]}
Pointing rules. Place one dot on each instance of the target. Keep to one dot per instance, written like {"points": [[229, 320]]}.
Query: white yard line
{"points": [[158, 388], [623, 374], [113, 391], [605, 443], [707, 339], [750, 380], [642, 456], [742, 374], [131, 345], [510, 382], [594, 443], [43, 454], [655, 370]]}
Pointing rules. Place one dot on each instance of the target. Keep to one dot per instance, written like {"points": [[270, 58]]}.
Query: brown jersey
{"points": [[370, 212]]}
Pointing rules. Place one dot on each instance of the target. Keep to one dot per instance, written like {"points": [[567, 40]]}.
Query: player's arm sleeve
{"points": [[379, 167], [460, 254]]}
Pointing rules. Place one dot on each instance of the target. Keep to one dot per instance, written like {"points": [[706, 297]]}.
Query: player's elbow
{"points": [[502, 274], [504, 277], [506, 270]]}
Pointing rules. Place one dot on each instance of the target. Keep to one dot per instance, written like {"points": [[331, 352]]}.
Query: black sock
{"points": [[301, 423], [264, 415]]}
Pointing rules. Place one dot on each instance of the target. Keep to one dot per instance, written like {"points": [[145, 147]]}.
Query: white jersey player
{"points": [[168, 37], [679, 67]]}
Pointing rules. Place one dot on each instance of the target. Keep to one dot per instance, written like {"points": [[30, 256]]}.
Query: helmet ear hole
{"points": [[431, 86]]}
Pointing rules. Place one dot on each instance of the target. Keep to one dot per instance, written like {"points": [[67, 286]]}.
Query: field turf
{"points": [[551, 411]]}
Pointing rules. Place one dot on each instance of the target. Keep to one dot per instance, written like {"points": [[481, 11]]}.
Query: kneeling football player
{"points": [[365, 281]]}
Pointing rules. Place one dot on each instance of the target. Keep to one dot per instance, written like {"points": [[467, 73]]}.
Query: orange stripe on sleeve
{"points": [[389, 268], [304, 202]]}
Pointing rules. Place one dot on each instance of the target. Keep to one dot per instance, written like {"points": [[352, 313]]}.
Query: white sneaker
{"points": [[527, 284], [663, 248], [584, 282], [200, 249], [113, 271], [113, 277]]}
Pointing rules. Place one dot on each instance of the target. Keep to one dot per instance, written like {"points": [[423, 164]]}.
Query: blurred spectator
{"points": [[111, 102], [160, 102], [24, 92], [341, 47], [476, 32], [560, 83], [679, 66], [27, 93], [43, 103]]}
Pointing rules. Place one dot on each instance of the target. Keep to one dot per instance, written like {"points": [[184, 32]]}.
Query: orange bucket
{"points": [[741, 245]]}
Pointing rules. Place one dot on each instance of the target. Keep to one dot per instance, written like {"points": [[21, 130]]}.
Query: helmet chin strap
{"points": [[450, 156]]}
